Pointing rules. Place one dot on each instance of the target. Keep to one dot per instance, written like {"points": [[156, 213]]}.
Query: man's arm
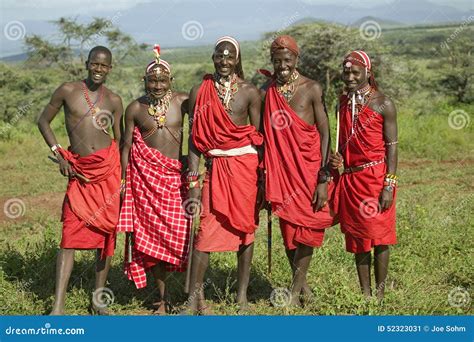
{"points": [[184, 100], [194, 155], [49, 113], [322, 122], [255, 106], [390, 133], [117, 112], [320, 195], [44, 124], [127, 138]]}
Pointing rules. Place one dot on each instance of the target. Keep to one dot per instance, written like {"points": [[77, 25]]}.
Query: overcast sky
{"points": [[53, 9]]}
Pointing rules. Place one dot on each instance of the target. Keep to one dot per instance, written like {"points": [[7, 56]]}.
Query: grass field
{"points": [[431, 263], [431, 268]]}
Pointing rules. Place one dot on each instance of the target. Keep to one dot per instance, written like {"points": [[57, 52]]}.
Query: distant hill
{"points": [[384, 23], [244, 19]]}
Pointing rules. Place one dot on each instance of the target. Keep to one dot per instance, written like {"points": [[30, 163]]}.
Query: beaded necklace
{"points": [[288, 89], [93, 109], [159, 109], [226, 88]]}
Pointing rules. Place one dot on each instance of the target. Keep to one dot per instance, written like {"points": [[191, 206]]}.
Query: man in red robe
{"points": [[153, 205], [219, 110], [368, 152], [92, 163], [296, 154]]}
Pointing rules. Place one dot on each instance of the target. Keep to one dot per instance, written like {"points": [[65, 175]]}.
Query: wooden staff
{"points": [[269, 241], [337, 128], [190, 258]]}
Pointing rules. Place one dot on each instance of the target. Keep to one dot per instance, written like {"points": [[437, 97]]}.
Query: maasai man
{"points": [[92, 163], [153, 203], [368, 152], [296, 154], [220, 108]]}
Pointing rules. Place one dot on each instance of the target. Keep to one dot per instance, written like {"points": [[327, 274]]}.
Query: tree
{"points": [[323, 46], [457, 69], [75, 40]]}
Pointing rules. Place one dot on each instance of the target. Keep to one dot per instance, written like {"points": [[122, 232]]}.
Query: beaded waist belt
{"points": [[363, 166]]}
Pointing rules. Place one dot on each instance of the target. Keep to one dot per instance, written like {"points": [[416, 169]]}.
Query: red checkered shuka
{"points": [[153, 210]]}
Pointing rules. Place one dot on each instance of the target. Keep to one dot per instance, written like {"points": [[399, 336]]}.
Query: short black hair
{"points": [[99, 48]]}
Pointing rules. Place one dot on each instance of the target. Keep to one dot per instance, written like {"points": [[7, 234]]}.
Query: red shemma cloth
{"points": [[233, 179], [292, 162], [91, 210], [359, 210], [153, 210]]}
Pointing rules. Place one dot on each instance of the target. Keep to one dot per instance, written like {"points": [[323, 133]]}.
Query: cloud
{"points": [[53, 9]]}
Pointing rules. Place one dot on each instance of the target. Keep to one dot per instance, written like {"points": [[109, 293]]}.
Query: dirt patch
{"points": [[20, 208]]}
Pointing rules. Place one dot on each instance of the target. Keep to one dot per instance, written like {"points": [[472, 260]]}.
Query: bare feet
{"points": [[161, 308]]}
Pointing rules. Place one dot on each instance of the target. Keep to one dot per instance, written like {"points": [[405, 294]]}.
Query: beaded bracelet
{"points": [[192, 185], [391, 176]]}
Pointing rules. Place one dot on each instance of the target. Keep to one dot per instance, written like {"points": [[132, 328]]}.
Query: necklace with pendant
{"points": [[159, 109], [93, 109], [358, 100], [226, 88], [288, 89]]}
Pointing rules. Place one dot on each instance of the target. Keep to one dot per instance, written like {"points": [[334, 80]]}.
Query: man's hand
{"points": [[65, 168], [336, 161], [320, 197], [386, 199]]}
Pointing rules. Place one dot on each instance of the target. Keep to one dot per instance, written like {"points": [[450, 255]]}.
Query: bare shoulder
{"points": [[382, 104], [311, 85], [68, 87], [115, 98], [133, 107], [180, 97], [194, 90], [249, 88]]}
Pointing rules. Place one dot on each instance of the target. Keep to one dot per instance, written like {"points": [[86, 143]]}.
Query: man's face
{"points": [[156, 85], [98, 67], [354, 77], [284, 64], [225, 59]]}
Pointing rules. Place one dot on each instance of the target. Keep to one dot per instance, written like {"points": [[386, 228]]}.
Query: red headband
{"points": [[285, 42]]}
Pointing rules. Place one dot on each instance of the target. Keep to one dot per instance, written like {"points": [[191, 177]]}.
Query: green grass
{"points": [[433, 256]]}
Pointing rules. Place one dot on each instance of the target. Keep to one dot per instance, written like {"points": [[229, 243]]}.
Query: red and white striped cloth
{"points": [[153, 210]]}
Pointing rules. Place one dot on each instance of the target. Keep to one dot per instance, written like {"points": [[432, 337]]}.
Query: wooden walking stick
{"points": [[337, 128], [269, 241], [190, 258]]}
